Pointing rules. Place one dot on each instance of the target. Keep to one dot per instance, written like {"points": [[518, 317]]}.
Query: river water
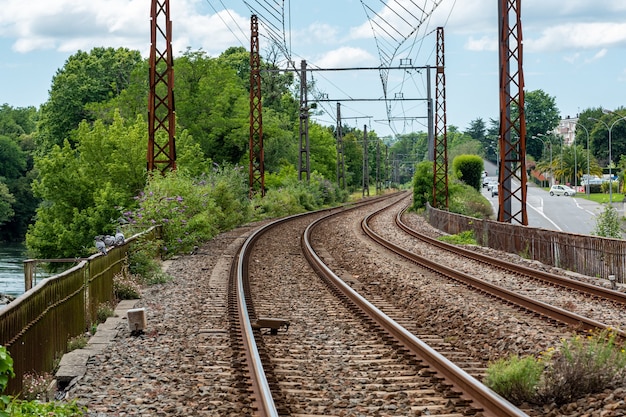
{"points": [[12, 256]]}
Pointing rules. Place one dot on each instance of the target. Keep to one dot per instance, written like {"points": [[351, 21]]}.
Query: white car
{"points": [[491, 185], [562, 190]]}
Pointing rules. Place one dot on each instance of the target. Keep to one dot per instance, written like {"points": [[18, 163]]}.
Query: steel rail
{"points": [[544, 309], [471, 389], [262, 394], [569, 283]]}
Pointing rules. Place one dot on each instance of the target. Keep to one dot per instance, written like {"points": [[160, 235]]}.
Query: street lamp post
{"points": [[610, 128], [588, 173]]}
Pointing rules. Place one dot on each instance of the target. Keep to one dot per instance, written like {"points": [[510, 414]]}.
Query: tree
{"points": [[213, 105], [477, 130], [6, 203], [542, 115], [86, 78]]}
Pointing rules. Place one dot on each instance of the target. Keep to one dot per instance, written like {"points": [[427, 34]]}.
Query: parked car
{"points": [[562, 190]]}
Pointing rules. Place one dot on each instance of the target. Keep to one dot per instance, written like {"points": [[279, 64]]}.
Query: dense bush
{"points": [[465, 199], [468, 168], [192, 210]]}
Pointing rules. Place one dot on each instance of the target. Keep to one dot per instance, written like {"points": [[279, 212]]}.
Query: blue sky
{"points": [[573, 50]]}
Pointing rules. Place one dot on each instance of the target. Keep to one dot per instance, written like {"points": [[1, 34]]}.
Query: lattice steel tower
{"points": [[257, 170], [512, 141], [161, 111], [440, 163]]}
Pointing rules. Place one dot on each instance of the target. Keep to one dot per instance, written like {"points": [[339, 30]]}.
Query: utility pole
{"points": [[341, 164], [256, 167], [161, 110], [366, 168], [303, 163]]}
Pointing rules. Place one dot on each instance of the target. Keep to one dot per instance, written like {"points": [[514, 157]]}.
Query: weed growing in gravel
{"points": [[126, 286], [104, 311], [582, 366], [515, 378], [77, 342], [463, 238]]}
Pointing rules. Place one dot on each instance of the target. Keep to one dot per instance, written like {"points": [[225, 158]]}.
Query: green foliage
{"points": [[468, 168], [192, 210], [85, 78], [582, 366], [6, 368], [83, 187], [35, 385], [515, 378], [19, 408], [6, 203], [104, 311], [608, 223], [126, 287], [77, 342], [463, 238], [542, 115], [422, 185], [466, 200], [287, 195], [213, 105]]}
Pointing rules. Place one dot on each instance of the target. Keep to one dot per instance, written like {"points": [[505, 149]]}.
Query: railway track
{"points": [[549, 295], [316, 347]]}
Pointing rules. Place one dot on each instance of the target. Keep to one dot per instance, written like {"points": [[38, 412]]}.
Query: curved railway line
{"points": [[341, 355], [248, 327], [538, 291]]}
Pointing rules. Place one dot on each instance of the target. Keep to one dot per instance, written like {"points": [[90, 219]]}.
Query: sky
{"points": [[571, 50]]}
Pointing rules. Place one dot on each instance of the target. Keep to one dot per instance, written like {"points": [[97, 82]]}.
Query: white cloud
{"points": [[345, 57], [69, 25], [577, 36], [486, 43]]}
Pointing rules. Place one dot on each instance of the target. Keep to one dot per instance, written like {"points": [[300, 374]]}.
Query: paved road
{"points": [[566, 214]]}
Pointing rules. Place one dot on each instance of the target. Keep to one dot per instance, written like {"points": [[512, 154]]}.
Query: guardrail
{"points": [[36, 327], [588, 255]]}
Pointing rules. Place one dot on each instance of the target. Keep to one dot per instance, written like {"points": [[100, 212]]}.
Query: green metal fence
{"points": [[36, 327]]}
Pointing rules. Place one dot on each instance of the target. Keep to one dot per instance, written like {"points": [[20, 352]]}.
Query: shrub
{"points": [[582, 366], [104, 311], [608, 223], [126, 287], [463, 238], [77, 342], [192, 210], [14, 407], [515, 378], [35, 386]]}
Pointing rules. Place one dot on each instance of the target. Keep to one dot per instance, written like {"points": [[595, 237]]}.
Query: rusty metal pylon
{"points": [[161, 111], [257, 170], [440, 163], [512, 141]]}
